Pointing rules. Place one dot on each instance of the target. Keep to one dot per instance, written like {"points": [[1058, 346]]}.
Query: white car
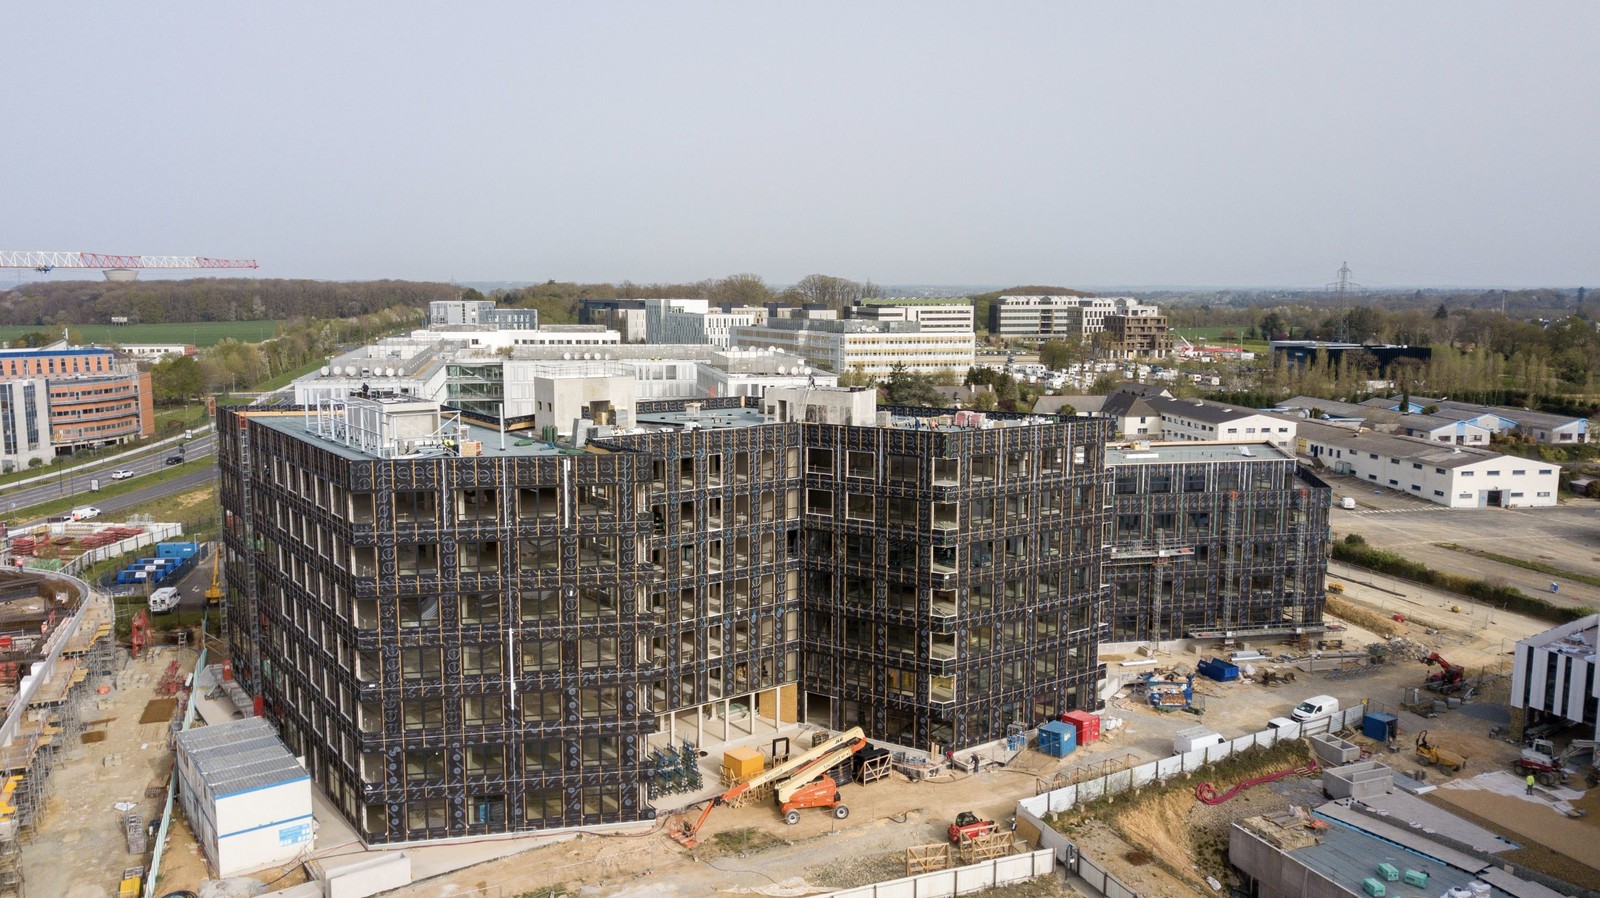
{"points": [[121, 474], [85, 513]]}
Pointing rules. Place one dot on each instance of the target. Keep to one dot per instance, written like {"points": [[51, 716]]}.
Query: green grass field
{"points": [[199, 333], [1213, 335]]}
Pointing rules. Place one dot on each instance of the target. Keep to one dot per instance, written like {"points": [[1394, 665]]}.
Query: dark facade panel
{"points": [[473, 645]]}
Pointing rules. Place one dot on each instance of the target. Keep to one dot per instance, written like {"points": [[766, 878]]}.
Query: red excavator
{"points": [[800, 782], [1450, 678]]}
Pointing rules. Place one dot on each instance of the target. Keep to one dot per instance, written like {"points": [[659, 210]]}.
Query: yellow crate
{"points": [[744, 763]]}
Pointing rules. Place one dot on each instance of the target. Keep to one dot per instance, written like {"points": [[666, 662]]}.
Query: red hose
{"points": [[1207, 792]]}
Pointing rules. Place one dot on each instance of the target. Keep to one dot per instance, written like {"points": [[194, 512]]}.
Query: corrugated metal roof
{"points": [[239, 756]]}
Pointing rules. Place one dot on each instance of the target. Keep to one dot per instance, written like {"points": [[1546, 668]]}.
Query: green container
{"points": [[1389, 872], [1373, 887], [1416, 878]]}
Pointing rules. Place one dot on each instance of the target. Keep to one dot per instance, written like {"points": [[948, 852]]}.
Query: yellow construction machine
{"points": [[214, 592], [1427, 753]]}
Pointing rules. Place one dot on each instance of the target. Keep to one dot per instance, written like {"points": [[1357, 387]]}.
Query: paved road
{"points": [[78, 484], [1566, 536], [110, 506]]}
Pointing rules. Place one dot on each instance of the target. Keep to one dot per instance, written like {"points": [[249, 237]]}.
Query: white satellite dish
{"points": [[567, 356], [324, 370], [389, 372], [782, 370]]}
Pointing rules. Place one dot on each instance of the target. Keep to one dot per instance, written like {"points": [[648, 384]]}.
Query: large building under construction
{"points": [[466, 632], [1214, 540]]}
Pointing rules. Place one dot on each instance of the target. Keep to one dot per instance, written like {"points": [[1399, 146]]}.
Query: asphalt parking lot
{"points": [[1565, 537]]}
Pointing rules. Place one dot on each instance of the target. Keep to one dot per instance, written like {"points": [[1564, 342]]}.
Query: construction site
{"points": [[878, 743]]}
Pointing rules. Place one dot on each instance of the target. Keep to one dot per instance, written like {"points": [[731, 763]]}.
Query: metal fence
{"points": [[1001, 871], [1034, 810]]}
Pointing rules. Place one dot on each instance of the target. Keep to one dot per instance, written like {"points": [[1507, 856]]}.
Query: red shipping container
{"points": [[1087, 725]]}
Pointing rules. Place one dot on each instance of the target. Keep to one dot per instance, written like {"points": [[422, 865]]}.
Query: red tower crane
{"points": [[116, 268]]}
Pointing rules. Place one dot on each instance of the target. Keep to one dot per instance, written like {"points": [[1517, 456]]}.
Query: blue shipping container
{"points": [[1218, 669], [177, 550], [1058, 739]]}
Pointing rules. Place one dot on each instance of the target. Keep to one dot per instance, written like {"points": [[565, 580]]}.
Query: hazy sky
{"points": [[1077, 144]]}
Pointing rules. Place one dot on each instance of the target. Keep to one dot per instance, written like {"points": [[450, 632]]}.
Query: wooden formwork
{"points": [[927, 858], [986, 847], [757, 795], [875, 769]]}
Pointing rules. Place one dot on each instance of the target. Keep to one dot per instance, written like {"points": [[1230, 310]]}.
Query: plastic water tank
{"points": [[1458, 892]]}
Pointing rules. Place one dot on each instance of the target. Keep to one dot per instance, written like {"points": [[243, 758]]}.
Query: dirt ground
{"points": [[1164, 854], [750, 851], [758, 854], [80, 850]]}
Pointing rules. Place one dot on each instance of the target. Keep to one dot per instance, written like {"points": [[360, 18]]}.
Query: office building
{"points": [[627, 317], [953, 315], [1203, 421], [94, 398], [1214, 540], [1073, 318], [464, 635], [852, 345], [25, 423], [1553, 679], [482, 313]]}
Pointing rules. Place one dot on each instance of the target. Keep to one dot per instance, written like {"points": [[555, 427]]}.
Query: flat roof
{"points": [[240, 756], [1578, 638], [29, 353], [706, 419], [1348, 856], [519, 444], [1178, 453], [1415, 812]]}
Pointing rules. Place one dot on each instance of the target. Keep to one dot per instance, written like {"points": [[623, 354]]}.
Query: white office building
{"points": [[713, 327], [933, 316], [873, 348], [1554, 680], [480, 313], [1196, 421], [539, 380], [1060, 317], [25, 423]]}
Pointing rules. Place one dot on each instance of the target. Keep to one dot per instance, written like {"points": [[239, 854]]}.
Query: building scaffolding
{"points": [[1214, 541], [522, 638]]}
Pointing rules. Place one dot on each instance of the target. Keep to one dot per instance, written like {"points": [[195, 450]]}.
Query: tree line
{"points": [[300, 342], [51, 304]]}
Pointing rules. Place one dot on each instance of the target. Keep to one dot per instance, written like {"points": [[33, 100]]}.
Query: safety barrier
{"points": [[1032, 811], [1002, 871]]}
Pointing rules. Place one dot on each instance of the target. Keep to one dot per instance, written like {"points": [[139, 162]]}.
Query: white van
{"points": [[1348, 503], [1315, 706], [163, 600]]}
